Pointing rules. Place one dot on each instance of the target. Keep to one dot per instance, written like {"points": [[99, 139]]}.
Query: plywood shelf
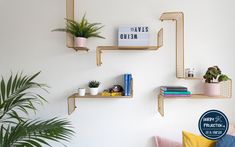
{"points": [[195, 96], [79, 48], [88, 95], [178, 17], [100, 49], [72, 98], [191, 78], [128, 47], [225, 93]]}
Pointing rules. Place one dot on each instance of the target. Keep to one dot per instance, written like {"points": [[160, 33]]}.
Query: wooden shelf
{"points": [[99, 49], [178, 17], [88, 95], [193, 97], [79, 48], [225, 87], [193, 78], [72, 98], [225, 91], [128, 47]]}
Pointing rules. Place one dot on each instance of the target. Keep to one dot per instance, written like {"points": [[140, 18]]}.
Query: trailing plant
{"points": [[17, 98], [214, 75], [82, 28], [93, 84]]}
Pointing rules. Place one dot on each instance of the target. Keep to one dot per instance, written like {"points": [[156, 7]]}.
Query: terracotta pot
{"points": [[94, 91], [80, 41], [212, 89]]}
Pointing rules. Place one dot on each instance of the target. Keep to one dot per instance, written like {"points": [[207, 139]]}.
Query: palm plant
{"points": [[18, 96], [82, 28]]}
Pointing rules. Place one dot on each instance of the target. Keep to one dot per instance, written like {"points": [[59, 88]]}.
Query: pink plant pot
{"points": [[212, 89], [80, 42]]}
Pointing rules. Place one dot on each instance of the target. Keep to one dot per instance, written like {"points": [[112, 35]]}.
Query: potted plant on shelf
{"points": [[212, 78], [81, 30], [94, 87]]}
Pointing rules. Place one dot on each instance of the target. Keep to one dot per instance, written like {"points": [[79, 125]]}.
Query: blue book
{"points": [[125, 84], [129, 85]]}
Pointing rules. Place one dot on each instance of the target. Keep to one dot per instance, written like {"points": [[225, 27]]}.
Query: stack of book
{"points": [[174, 91], [127, 84]]}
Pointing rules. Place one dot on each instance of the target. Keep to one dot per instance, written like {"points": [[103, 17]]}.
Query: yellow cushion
{"points": [[192, 140]]}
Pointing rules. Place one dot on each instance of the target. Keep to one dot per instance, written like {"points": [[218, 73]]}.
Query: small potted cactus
{"points": [[94, 87], [212, 78]]}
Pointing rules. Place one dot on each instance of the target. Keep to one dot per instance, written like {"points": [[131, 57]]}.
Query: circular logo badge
{"points": [[213, 124]]}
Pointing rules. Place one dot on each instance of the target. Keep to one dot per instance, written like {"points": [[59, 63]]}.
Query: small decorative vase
{"points": [[212, 89], [94, 91], [82, 91], [80, 41]]}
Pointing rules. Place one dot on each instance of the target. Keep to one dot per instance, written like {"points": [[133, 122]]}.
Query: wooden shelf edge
{"points": [[128, 47], [193, 97], [79, 48], [99, 49], [75, 95], [196, 96], [190, 78]]}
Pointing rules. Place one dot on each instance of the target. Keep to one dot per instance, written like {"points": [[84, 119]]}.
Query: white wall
{"points": [[27, 44]]}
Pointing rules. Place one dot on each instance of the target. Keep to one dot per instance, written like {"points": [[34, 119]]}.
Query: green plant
{"points": [[82, 28], [94, 84], [18, 96], [214, 74]]}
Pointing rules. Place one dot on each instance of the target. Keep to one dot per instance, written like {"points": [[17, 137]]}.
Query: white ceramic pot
{"points": [[82, 91], [94, 91], [212, 89], [80, 41]]}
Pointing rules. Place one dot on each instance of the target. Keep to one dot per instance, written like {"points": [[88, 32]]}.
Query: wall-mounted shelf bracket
{"points": [[225, 93], [179, 18], [72, 98], [100, 49]]}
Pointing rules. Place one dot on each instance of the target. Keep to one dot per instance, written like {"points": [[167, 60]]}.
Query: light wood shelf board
{"points": [[196, 96], [192, 97], [71, 105], [225, 87], [72, 98], [87, 95], [128, 47], [191, 78], [100, 49], [79, 48], [69, 15], [179, 18]]}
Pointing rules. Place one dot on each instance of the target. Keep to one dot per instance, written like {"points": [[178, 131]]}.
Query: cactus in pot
{"points": [[94, 87]]}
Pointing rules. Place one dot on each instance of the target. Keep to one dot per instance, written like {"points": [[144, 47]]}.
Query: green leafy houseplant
{"points": [[93, 84], [94, 87], [212, 78], [17, 98], [81, 30], [214, 74]]}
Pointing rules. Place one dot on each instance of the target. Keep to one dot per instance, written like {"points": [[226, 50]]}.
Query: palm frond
{"points": [[36, 133], [15, 96]]}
